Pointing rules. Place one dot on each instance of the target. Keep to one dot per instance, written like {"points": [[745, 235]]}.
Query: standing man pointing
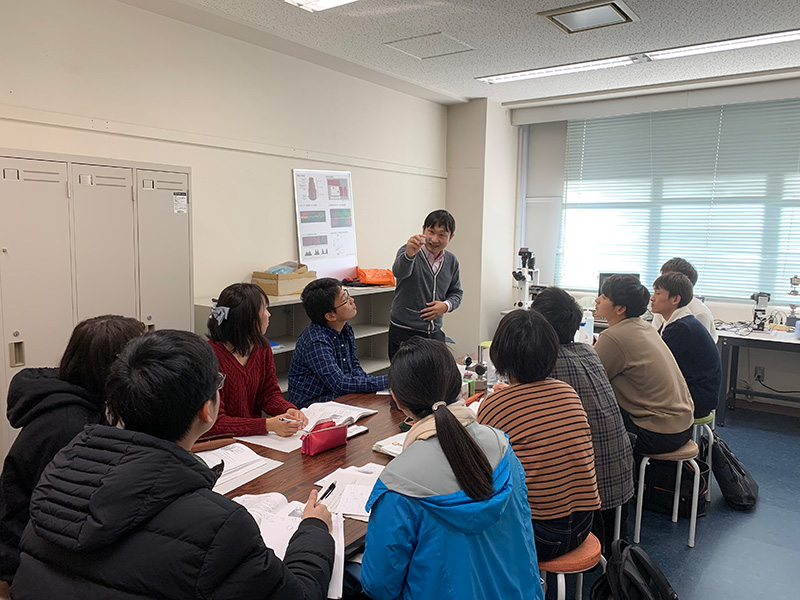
{"points": [[428, 282]]}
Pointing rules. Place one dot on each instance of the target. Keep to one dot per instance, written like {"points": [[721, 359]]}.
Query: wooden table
{"points": [[729, 344], [296, 476]]}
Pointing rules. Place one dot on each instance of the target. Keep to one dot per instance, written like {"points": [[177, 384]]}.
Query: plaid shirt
{"points": [[325, 366], [579, 366]]}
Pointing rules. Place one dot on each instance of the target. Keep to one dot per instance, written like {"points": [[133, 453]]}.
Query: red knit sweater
{"points": [[248, 391]]}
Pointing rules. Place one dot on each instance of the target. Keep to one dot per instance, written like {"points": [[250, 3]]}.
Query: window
{"points": [[718, 186]]}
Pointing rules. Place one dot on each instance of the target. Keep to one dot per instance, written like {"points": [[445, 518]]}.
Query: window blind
{"points": [[718, 186]]}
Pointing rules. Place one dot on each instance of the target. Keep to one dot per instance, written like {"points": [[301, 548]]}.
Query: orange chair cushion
{"points": [[583, 558]]}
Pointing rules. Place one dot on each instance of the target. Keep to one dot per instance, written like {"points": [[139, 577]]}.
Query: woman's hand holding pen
{"points": [[297, 415], [317, 511], [284, 425]]}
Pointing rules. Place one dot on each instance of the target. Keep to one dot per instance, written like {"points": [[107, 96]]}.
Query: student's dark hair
{"points": [[524, 347], [242, 327], [92, 347], [625, 290], [676, 284], [160, 381], [680, 265], [442, 218], [319, 298], [560, 310], [424, 372]]}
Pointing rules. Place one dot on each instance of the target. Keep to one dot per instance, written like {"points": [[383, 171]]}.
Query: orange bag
{"points": [[375, 276]]}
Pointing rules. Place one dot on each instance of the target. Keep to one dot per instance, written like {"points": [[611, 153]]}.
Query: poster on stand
{"points": [[326, 230]]}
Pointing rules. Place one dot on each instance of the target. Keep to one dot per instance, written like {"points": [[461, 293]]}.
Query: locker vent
{"points": [[41, 176]]}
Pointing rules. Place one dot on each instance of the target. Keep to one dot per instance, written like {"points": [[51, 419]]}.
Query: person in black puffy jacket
{"points": [[128, 512], [52, 406]]}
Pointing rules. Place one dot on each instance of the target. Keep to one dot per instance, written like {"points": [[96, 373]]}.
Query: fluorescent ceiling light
{"points": [[318, 5], [592, 65], [747, 42], [620, 61]]}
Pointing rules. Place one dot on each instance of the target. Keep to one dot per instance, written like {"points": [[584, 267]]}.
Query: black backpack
{"points": [[738, 487], [631, 575]]}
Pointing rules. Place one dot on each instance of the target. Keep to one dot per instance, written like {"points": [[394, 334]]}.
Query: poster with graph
{"points": [[326, 230]]}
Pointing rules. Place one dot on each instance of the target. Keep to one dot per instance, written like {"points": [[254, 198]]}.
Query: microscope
{"points": [[760, 311], [526, 280]]}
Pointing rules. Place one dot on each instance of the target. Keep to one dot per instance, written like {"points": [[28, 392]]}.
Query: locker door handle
{"points": [[16, 354], [151, 326]]}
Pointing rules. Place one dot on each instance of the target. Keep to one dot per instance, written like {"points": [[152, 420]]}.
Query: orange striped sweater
{"points": [[550, 435]]}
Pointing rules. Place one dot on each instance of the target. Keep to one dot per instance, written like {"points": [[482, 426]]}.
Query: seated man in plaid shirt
{"points": [[578, 365], [324, 364]]}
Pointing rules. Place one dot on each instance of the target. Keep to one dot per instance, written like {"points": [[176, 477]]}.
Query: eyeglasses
{"points": [[346, 299], [220, 381]]}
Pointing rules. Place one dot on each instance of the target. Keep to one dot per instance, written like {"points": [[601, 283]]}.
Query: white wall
{"points": [[99, 78]]}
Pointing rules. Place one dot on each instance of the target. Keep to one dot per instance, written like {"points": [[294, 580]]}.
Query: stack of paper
{"points": [[392, 446], [278, 519], [321, 411], [240, 465], [352, 487]]}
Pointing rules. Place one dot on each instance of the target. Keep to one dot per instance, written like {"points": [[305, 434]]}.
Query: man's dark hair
{"points": [[560, 310], [160, 381], [423, 372], [93, 347], [242, 327], [625, 290], [442, 218], [319, 298], [525, 346], [676, 284], [680, 265]]}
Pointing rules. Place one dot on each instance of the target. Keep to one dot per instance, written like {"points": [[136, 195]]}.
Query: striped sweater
{"points": [[550, 435]]}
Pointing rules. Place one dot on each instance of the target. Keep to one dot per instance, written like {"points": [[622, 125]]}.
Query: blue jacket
{"points": [[425, 544]]}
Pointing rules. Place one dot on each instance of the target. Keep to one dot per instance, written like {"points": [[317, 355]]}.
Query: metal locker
{"points": [[35, 268], [165, 260], [105, 256]]}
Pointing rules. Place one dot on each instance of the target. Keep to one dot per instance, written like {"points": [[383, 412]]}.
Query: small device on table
{"points": [[760, 311]]}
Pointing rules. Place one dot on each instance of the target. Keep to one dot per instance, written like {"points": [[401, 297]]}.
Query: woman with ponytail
{"points": [[449, 516]]}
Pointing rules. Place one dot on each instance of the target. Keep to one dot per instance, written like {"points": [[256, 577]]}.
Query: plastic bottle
{"points": [[588, 320], [580, 335]]}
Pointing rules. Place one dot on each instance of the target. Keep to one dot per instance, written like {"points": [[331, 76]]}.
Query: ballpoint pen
{"points": [[327, 492]]}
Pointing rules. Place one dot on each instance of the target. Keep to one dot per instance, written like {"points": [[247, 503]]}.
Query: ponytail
{"points": [[468, 461], [424, 377]]}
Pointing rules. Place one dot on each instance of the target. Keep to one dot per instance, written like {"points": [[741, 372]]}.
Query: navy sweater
{"points": [[698, 358]]}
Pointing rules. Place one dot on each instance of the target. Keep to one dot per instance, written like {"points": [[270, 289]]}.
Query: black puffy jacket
{"points": [[51, 412], [123, 515]]}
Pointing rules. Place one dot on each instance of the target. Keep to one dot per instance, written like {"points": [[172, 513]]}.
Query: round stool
{"points": [[686, 453], [584, 557], [706, 424]]}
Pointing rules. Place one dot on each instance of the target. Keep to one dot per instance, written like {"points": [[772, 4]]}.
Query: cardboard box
{"points": [[284, 284]]}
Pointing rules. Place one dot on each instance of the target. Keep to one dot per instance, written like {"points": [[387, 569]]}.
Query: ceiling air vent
{"points": [[590, 15]]}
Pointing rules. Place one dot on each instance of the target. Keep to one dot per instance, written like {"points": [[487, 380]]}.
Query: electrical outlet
{"points": [[759, 373]]}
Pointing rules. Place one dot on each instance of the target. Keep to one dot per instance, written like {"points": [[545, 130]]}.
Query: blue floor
{"points": [[747, 555]]}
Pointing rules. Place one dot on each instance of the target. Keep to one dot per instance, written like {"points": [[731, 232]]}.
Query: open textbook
{"points": [[278, 519], [341, 414], [352, 488], [241, 465]]}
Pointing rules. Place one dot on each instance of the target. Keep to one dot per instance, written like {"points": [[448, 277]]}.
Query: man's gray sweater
{"points": [[417, 285]]}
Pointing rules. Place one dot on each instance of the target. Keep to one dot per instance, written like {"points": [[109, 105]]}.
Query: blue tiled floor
{"points": [[737, 555]]}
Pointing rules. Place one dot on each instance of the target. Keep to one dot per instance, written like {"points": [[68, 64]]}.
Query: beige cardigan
{"points": [[646, 379]]}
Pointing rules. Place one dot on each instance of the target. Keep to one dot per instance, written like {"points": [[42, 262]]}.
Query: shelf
{"points": [[363, 330], [287, 341], [372, 365]]}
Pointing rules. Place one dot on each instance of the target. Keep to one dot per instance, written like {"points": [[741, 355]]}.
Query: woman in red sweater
{"points": [[237, 326]]}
